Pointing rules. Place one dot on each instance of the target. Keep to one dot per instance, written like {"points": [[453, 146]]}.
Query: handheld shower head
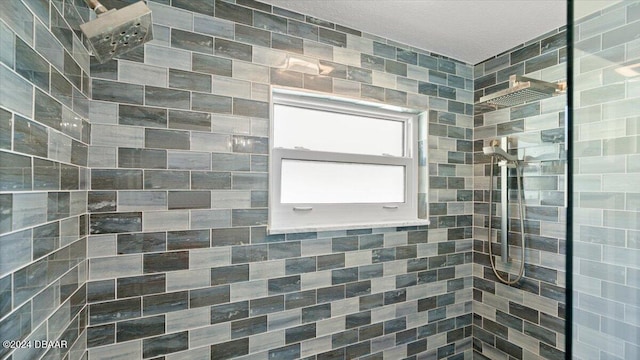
{"points": [[116, 32], [499, 153]]}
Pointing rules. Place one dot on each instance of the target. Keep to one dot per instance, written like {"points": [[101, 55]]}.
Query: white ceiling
{"points": [[466, 30]]}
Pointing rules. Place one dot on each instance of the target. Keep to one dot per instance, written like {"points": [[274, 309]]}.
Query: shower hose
{"points": [[493, 263]]}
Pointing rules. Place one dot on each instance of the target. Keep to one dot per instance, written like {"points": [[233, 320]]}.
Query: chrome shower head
{"points": [[116, 32], [521, 90]]}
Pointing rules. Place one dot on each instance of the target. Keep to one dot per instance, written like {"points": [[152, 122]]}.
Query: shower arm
{"points": [[96, 6]]}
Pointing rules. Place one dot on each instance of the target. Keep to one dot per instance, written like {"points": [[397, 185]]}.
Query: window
{"points": [[339, 164]]}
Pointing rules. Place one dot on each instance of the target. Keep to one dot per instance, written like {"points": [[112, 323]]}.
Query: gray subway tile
{"points": [[169, 179], [139, 285], [230, 349], [16, 93], [211, 103], [303, 30], [16, 250], [233, 49], [165, 344], [233, 13], [6, 124], [157, 96], [107, 70], [169, 261], [19, 18], [7, 44], [61, 30], [140, 328], [230, 162], [286, 43], [189, 200], [252, 181], [189, 120], [209, 296], [141, 242], [191, 41], [142, 158], [142, 116], [142, 200], [229, 312], [142, 74], [210, 219], [210, 142], [205, 8], [168, 57], [101, 201], [621, 35], [249, 217], [286, 78], [31, 65], [30, 137], [100, 335], [252, 35], [114, 310], [525, 53], [117, 92], [211, 180], [189, 160], [107, 179], [212, 26], [108, 223], [167, 139], [187, 80], [270, 22], [211, 64], [29, 209]]}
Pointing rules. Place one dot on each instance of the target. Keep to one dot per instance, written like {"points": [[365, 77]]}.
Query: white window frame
{"points": [[304, 217]]}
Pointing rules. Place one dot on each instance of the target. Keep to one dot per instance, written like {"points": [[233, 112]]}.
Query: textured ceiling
{"points": [[466, 30]]}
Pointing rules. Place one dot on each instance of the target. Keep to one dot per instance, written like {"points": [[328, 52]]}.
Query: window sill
{"points": [[285, 230]]}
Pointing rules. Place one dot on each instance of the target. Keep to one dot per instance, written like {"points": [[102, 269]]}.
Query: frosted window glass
{"points": [[336, 132], [320, 182]]}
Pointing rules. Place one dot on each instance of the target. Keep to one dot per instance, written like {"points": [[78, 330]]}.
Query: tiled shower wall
{"points": [[606, 176], [44, 136], [525, 320], [179, 261]]}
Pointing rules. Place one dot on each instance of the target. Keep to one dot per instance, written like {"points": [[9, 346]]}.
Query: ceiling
{"points": [[466, 30]]}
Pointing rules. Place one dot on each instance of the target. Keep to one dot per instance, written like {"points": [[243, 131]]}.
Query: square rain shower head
{"points": [[116, 32], [521, 90]]}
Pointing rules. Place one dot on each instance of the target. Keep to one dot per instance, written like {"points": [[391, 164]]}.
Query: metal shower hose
{"points": [[491, 260]]}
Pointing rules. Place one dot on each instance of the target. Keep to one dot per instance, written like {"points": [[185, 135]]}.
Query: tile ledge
{"points": [[292, 230]]}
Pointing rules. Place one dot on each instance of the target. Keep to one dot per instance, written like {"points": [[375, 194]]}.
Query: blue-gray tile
{"points": [[31, 65], [108, 223], [18, 17], [16, 250], [16, 93], [233, 12], [30, 137], [232, 49], [167, 139], [157, 96], [191, 41], [117, 92], [15, 172], [142, 116], [211, 103]]}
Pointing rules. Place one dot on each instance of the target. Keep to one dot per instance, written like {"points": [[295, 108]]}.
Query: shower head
{"points": [[116, 32], [521, 90]]}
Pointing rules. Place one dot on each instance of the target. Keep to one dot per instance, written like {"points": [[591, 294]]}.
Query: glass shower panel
{"points": [[606, 180]]}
